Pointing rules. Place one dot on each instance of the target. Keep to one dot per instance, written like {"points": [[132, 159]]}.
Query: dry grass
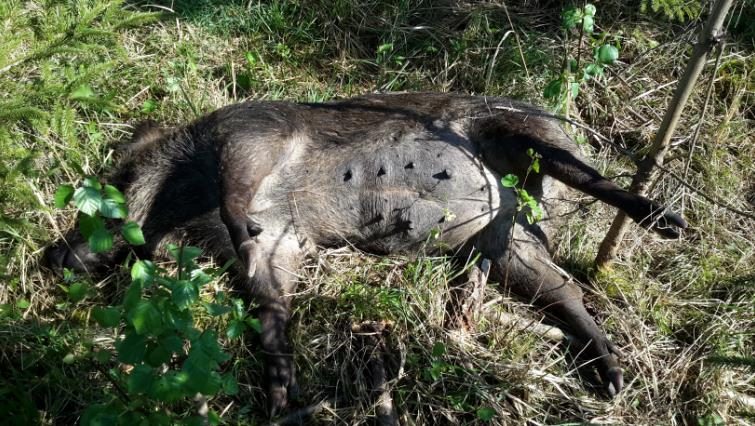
{"points": [[681, 312]]}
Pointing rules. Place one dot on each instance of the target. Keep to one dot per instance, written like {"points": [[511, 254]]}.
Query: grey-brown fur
{"points": [[269, 182]]}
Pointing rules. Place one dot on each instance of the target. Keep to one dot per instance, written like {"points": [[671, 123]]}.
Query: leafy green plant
{"points": [[565, 88], [679, 10], [164, 357], [486, 414], [96, 203], [438, 366], [524, 199]]}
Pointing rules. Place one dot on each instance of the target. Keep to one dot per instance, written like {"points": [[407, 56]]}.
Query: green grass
{"points": [[74, 76]]}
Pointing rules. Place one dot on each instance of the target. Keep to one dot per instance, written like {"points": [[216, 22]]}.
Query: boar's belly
{"points": [[396, 197]]}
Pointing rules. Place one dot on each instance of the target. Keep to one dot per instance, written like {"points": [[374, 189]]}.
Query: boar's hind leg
{"points": [[243, 167], [528, 270], [272, 289]]}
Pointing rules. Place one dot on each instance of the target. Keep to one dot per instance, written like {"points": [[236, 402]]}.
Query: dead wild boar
{"points": [[269, 182]]}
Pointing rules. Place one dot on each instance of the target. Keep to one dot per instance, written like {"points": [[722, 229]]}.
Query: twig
{"points": [[693, 143], [516, 37], [495, 57], [709, 36]]}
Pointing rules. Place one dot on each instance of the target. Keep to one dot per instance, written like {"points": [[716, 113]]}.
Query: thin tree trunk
{"points": [[709, 36]]}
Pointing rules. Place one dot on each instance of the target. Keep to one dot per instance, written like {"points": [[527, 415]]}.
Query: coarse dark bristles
{"points": [[73, 75]]}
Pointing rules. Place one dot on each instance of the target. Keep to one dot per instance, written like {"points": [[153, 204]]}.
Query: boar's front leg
{"points": [[524, 265], [244, 164], [278, 255]]}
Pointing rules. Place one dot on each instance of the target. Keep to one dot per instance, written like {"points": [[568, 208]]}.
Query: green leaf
{"points": [[63, 196], [181, 320], [535, 165], [173, 84], [439, 349], [184, 294], [107, 317], [215, 309], [535, 214], [149, 106], [385, 47], [235, 329], [213, 418], [572, 65], [526, 197], [88, 224], [87, 200], [140, 380], [594, 70], [172, 342], [485, 414], [571, 17], [171, 386], [251, 58], [100, 415], [199, 277], [22, 304], [113, 209], [607, 54], [207, 343], [574, 89], [6, 309], [143, 271], [230, 386], [158, 355], [91, 182], [114, 194], [436, 369], [184, 254], [145, 317], [255, 324], [133, 233], [510, 181], [239, 310], [69, 358], [588, 24], [201, 379], [553, 89], [133, 296], [83, 92], [100, 241], [131, 350], [77, 292]]}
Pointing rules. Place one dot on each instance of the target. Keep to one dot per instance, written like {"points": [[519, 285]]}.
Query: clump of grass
{"points": [[74, 75]]}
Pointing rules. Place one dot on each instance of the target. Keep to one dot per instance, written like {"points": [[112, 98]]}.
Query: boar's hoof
{"points": [[614, 379], [247, 252], [658, 219], [668, 225], [607, 365], [282, 385]]}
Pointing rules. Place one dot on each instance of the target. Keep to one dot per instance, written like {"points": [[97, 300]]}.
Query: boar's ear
{"points": [[145, 134]]}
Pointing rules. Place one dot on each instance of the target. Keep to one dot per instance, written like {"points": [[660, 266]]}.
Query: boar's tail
{"points": [[561, 160]]}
